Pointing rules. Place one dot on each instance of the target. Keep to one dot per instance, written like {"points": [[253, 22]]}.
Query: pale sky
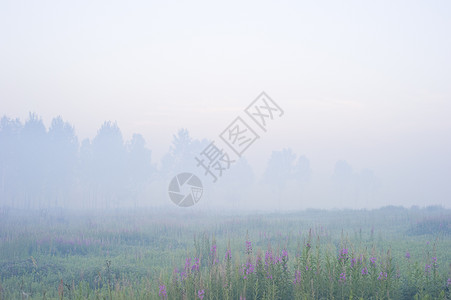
{"points": [[367, 82]]}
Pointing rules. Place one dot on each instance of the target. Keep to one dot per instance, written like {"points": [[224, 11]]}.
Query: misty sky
{"points": [[366, 82]]}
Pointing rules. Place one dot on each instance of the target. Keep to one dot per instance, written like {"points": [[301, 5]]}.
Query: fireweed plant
{"points": [[376, 255]]}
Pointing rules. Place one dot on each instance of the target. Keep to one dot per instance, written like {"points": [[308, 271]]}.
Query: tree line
{"points": [[49, 167]]}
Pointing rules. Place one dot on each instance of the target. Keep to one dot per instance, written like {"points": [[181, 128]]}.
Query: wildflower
{"points": [[228, 254], [258, 259], [248, 247], [163, 294], [201, 294], [213, 254], [427, 268], [297, 277], [268, 257], [373, 261], [343, 254], [382, 276], [364, 271], [308, 245], [182, 275], [196, 265], [247, 269], [342, 277], [174, 275], [434, 261], [448, 283], [284, 253], [353, 261], [407, 255], [187, 264], [250, 268]]}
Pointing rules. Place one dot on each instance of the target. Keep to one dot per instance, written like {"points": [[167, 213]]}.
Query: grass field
{"points": [[389, 253]]}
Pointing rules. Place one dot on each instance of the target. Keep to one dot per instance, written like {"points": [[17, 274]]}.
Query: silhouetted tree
{"points": [[40, 168], [85, 176], [139, 165], [63, 150], [34, 161], [108, 164], [280, 168], [181, 155], [10, 160], [302, 171]]}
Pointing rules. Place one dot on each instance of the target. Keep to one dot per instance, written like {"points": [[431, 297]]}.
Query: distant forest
{"points": [[49, 167]]}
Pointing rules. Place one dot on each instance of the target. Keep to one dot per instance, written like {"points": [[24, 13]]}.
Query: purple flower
{"points": [[247, 269], [196, 265], [382, 276], [187, 264], [297, 277], [228, 255], [213, 254], [407, 255], [182, 275], [427, 268], [364, 271], [284, 253], [343, 255], [342, 277], [250, 268], [448, 283], [373, 261], [434, 261], [268, 257], [248, 247], [201, 294], [353, 261], [258, 259], [163, 294]]}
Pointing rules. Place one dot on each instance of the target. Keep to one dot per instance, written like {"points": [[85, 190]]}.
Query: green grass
{"points": [[131, 254]]}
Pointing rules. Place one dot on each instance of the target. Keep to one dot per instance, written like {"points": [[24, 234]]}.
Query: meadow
{"points": [[387, 253]]}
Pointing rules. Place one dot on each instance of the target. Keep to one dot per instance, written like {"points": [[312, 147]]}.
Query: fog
{"points": [[103, 103]]}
